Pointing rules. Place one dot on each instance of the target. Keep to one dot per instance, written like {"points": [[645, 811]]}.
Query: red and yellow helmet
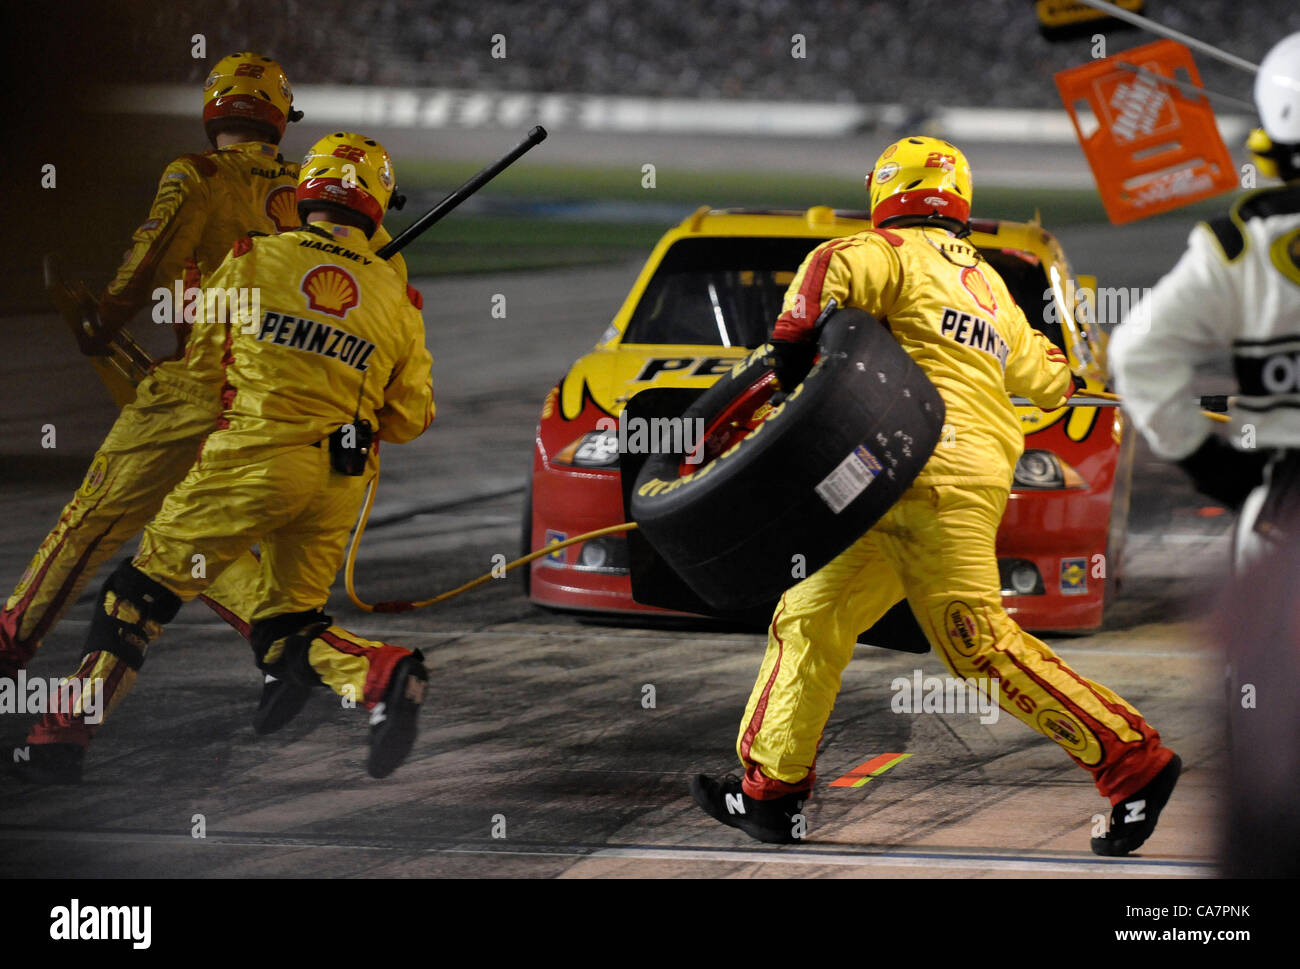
{"points": [[348, 170], [248, 89], [920, 179]]}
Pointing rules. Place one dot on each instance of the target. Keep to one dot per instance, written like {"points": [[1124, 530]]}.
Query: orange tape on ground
{"points": [[863, 773]]}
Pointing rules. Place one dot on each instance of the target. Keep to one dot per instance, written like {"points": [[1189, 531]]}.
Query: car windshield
{"points": [[717, 291], [727, 291]]}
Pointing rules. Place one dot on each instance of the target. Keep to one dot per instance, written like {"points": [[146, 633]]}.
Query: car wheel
{"points": [[783, 485]]}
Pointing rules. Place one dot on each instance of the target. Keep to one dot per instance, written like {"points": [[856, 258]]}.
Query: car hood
{"points": [[610, 376]]}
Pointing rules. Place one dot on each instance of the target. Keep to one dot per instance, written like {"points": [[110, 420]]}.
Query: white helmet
{"points": [[1277, 91]]}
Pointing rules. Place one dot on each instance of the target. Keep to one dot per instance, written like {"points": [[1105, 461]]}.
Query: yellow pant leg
{"points": [[300, 513], [215, 515], [355, 668], [107, 670], [205, 523], [300, 561], [942, 543], [237, 592], [302, 555], [810, 642], [148, 450]]}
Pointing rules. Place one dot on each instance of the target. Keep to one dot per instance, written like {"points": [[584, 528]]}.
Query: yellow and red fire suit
{"points": [[203, 204], [336, 339], [954, 316]]}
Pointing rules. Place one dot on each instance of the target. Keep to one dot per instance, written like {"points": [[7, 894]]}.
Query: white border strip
{"points": [[932, 862], [439, 108], [935, 861]]}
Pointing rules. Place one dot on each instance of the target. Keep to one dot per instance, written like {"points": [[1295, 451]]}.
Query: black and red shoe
{"points": [[778, 821], [394, 720], [286, 692], [1133, 819], [48, 763]]}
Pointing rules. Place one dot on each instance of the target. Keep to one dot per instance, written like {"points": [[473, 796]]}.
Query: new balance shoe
{"points": [[48, 763], [778, 821], [394, 720], [282, 700], [1133, 819], [284, 696]]}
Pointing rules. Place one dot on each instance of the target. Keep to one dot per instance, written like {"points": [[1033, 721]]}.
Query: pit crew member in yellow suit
{"points": [[955, 318], [203, 204], [335, 352]]}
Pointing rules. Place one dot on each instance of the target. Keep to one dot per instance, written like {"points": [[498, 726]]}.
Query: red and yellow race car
{"points": [[707, 295]]}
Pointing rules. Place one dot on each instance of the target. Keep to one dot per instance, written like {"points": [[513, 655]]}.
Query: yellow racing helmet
{"points": [[350, 171], [248, 90], [920, 180]]}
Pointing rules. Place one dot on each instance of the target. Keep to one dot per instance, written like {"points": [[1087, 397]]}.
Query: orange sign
{"points": [[1151, 146]]}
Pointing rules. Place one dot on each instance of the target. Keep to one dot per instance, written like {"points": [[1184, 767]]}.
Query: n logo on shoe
{"points": [[1136, 812], [735, 803]]}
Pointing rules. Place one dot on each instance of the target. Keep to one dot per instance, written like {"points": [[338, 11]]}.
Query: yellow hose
{"points": [[403, 605]]}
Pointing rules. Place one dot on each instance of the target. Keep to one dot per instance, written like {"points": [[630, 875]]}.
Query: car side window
{"points": [[1030, 289]]}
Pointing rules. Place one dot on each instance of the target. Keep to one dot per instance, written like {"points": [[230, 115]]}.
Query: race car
{"points": [[707, 296]]}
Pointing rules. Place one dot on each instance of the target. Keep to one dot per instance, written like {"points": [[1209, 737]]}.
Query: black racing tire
{"points": [[817, 473]]}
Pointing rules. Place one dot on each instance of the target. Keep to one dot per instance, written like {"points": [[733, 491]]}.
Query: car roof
{"points": [[822, 221], [1027, 239]]}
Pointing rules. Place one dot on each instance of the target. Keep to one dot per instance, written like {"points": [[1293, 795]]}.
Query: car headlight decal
{"points": [[1039, 470], [595, 449], [1020, 577]]}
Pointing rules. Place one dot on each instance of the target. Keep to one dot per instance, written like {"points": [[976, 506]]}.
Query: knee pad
{"points": [[296, 630], [155, 601], [132, 611]]}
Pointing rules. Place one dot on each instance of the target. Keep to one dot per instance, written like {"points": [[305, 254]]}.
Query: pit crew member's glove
{"points": [[82, 313], [1220, 471], [95, 335], [791, 361]]}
